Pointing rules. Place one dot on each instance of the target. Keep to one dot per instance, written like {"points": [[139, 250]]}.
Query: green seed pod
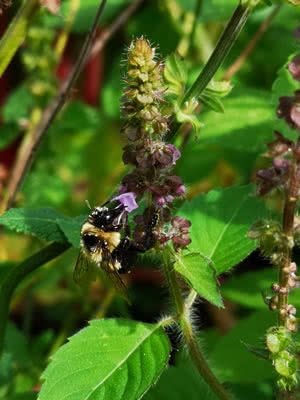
{"points": [[286, 364], [278, 339]]}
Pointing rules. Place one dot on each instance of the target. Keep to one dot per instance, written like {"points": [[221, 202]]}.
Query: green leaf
{"points": [[71, 228], [85, 14], [233, 362], [16, 355], [7, 134], [15, 34], [186, 114], [212, 10], [213, 103], [200, 277], [246, 125], [40, 222], [247, 289], [220, 222], [110, 359], [175, 74], [112, 90], [179, 382], [76, 115], [18, 105]]}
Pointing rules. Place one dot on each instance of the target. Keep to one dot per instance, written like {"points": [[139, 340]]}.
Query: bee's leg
{"points": [[149, 238], [125, 255]]}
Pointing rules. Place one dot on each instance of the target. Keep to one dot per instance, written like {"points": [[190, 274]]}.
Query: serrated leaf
{"points": [[212, 102], [186, 114], [40, 222], [220, 222], [201, 277], [110, 359], [71, 228], [175, 74]]}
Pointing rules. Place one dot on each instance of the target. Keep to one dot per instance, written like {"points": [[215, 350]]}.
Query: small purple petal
{"points": [[160, 201], [295, 116], [174, 151], [128, 201], [180, 190], [294, 67]]}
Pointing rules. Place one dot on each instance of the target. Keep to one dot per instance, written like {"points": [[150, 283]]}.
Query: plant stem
{"points": [[18, 273], [183, 317], [16, 33], [228, 37], [289, 210], [23, 164]]}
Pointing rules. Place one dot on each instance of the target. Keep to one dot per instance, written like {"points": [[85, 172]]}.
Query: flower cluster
{"points": [[277, 240], [146, 119], [289, 106], [285, 155], [283, 354]]}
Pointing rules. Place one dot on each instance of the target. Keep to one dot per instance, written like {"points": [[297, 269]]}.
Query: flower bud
{"points": [[294, 67]]}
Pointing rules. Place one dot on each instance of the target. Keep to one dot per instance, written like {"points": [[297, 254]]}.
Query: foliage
{"points": [[190, 163]]}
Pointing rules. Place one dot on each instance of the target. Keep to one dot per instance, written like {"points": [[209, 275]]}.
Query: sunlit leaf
{"points": [[220, 222], [201, 277], [110, 359]]}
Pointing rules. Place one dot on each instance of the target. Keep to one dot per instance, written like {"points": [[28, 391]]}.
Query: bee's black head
{"points": [[109, 219], [90, 241]]}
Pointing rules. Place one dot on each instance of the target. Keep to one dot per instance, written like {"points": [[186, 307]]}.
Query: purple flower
{"points": [[289, 109], [179, 233], [279, 146], [273, 177], [128, 201], [175, 153], [294, 67]]}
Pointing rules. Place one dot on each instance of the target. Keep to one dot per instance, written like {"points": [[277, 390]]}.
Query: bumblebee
{"points": [[105, 243]]}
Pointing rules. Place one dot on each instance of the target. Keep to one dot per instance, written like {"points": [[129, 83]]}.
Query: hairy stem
{"points": [[18, 273], [183, 317]]}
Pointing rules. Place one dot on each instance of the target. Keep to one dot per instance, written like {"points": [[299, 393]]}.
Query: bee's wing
{"points": [[84, 271], [108, 265]]}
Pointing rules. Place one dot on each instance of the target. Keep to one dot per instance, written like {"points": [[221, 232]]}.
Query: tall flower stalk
{"points": [[146, 122], [277, 238], [147, 116]]}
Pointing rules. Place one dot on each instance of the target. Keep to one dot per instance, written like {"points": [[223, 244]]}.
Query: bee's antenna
{"points": [[88, 204]]}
